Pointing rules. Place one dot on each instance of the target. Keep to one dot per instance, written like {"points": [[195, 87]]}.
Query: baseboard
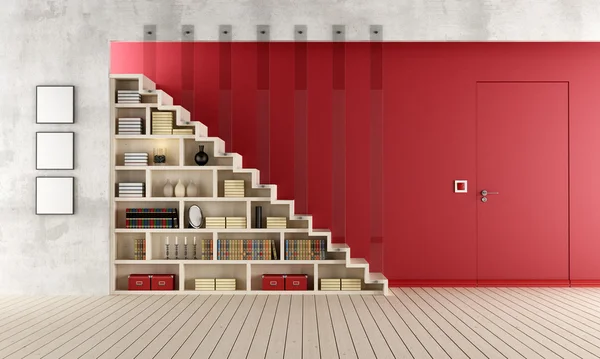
{"points": [[490, 283], [523, 283], [431, 283], [585, 283]]}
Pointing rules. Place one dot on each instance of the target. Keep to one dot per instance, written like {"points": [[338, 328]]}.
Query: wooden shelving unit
{"points": [[209, 179]]}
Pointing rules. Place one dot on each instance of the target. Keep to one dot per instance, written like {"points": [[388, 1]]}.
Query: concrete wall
{"points": [[67, 42]]}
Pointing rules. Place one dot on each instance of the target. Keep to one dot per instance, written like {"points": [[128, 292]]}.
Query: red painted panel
{"points": [[126, 57], [282, 119], [320, 85], [168, 69], [206, 86], [522, 153], [358, 153]]}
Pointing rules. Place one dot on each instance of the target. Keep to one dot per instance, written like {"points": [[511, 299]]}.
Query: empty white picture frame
{"points": [[55, 104], [55, 150], [54, 195]]}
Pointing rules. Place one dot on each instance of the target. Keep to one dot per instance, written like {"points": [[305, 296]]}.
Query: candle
{"points": [[167, 240], [194, 240], [185, 241], [176, 240]]}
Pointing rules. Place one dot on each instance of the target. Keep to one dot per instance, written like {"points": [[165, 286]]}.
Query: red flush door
{"points": [[522, 153]]}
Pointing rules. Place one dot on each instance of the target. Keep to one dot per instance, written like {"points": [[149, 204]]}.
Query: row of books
{"points": [[135, 159], [246, 249], [206, 250], [139, 249], [226, 222], [151, 218], [128, 96], [305, 249], [276, 222], [129, 126], [234, 188], [219, 284], [131, 189], [341, 284], [162, 123]]}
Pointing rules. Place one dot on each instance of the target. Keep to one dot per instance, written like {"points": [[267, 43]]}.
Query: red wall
{"points": [[388, 128]]}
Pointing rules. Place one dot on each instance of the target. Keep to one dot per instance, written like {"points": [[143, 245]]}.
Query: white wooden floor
{"points": [[412, 323]]}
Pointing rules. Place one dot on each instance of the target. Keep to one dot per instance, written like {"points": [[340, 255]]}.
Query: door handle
{"points": [[485, 193]]}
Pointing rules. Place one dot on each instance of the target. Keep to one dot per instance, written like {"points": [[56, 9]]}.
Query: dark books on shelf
{"points": [[128, 96], [139, 249], [246, 249], [152, 218], [305, 249], [132, 189]]}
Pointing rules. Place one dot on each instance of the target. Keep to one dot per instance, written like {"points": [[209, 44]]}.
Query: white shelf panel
{"points": [[174, 168], [135, 105], [190, 199], [152, 137], [214, 261], [204, 230], [258, 292]]}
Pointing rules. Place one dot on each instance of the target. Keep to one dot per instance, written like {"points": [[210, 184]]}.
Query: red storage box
{"points": [[163, 281], [296, 282], [139, 282], [273, 282]]}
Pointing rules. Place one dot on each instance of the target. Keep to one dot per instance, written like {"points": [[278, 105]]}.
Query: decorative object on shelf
{"points": [[296, 282], [258, 217], [135, 159], [233, 188], [195, 248], [160, 156], [192, 189], [351, 284], [168, 189], [54, 195], [215, 222], [305, 249], [176, 247], [130, 126], [235, 222], [330, 284], [273, 282], [167, 247], [151, 218], [131, 189], [139, 249], [55, 150], [180, 189], [201, 158], [204, 284], [195, 218], [129, 96], [227, 284], [185, 248], [276, 222], [162, 282], [55, 104], [139, 282], [162, 123]]}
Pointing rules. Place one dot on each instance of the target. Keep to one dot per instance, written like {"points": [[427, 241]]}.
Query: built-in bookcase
{"points": [[210, 183]]}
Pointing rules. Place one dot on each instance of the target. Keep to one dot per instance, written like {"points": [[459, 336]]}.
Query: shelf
{"points": [[188, 199], [152, 137], [244, 292], [216, 230], [134, 105]]}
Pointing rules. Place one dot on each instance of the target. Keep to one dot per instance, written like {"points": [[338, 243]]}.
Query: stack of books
{"points": [[129, 126], [225, 284], [215, 222], [136, 159], [204, 284], [162, 123], [131, 189], [351, 284], [183, 131], [235, 222], [151, 218], [246, 249], [129, 96], [234, 188], [276, 222], [305, 249], [139, 249], [330, 284]]}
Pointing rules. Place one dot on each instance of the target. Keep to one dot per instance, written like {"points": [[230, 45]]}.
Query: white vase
{"points": [[180, 189], [191, 190], [168, 189]]}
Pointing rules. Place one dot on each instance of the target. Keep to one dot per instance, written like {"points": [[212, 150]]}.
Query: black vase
{"points": [[201, 157]]}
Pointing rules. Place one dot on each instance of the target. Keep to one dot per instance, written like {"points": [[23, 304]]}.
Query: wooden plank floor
{"points": [[415, 323]]}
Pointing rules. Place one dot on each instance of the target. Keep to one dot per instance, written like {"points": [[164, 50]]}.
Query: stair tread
{"points": [[339, 246], [376, 276], [358, 261]]}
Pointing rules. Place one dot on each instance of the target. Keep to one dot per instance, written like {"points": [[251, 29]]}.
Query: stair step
{"points": [[358, 261], [340, 247], [377, 276]]}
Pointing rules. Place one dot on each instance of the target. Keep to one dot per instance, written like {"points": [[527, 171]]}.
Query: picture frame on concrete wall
{"points": [[54, 195], [55, 104], [55, 150]]}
